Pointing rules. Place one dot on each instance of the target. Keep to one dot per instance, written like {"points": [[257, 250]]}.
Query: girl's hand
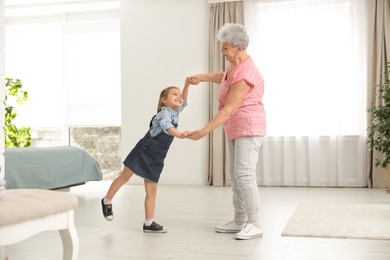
{"points": [[185, 134]]}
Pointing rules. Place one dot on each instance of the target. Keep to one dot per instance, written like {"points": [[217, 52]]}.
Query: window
{"points": [[67, 55], [311, 55]]}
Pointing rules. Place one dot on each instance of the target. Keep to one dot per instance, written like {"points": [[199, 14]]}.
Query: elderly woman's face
{"points": [[229, 51]]}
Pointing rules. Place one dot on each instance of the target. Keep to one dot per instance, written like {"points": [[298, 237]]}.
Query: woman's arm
{"points": [[234, 99], [210, 77]]}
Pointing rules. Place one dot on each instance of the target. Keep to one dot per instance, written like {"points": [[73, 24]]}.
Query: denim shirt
{"points": [[165, 119]]}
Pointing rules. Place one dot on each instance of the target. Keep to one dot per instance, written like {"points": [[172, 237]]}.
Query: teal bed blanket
{"points": [[49, 167]]}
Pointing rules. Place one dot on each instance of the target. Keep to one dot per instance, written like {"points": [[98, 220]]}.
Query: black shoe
{"points": [[154, 228], [107, 211]]}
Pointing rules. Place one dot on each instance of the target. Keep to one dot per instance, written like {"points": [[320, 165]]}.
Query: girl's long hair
{"points": [[164, 94]]}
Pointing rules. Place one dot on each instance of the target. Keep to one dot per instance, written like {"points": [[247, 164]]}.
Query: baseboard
{"points": [[171, 181]]}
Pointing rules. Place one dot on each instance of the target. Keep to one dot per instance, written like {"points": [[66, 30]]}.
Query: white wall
{"points": [[2, 84], [162, 42]]}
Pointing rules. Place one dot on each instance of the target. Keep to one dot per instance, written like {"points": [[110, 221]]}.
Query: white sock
{"points": [[107, 201], [149, 221]]}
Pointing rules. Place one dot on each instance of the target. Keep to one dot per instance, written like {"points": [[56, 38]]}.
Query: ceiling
{"points": [[20, 8]]}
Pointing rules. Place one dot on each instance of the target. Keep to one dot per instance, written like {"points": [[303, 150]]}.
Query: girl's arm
{"points": [[184, 93], [176, 133], [210, 77]]}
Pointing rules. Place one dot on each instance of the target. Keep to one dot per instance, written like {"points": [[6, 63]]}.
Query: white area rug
{"points": [[363, 221]]}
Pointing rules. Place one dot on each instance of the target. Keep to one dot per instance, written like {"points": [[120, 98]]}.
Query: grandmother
{"points": [[241, 112]]}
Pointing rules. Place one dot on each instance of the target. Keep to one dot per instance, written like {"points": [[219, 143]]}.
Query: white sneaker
{"points": [[230, 227], [249, 232]]}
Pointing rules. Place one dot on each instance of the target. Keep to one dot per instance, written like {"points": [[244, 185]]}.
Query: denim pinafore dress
{"points": [[147, 157]]}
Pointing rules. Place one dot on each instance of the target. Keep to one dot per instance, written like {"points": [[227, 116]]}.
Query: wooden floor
{"points": [[190, 213]]}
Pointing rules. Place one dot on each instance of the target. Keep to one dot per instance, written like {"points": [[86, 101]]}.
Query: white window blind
{"points": [[92, 74], [34, 55], [69, 66]]}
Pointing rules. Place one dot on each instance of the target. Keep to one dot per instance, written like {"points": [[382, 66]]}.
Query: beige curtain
{"points": [[378, 55], [220, 13]]}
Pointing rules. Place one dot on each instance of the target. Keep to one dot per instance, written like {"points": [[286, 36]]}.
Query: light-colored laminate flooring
{"points": [[190, 214]]}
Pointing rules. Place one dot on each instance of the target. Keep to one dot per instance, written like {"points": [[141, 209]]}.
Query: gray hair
{"points": [[235, 34]]}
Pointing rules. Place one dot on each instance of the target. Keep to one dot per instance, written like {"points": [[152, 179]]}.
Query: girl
{"points": [[147, 157]]}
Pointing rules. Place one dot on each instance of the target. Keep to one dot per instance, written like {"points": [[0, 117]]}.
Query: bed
{"points": [[49, 167]]}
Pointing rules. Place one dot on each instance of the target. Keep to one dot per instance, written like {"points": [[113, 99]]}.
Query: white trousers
{"points": [[243, 155]]}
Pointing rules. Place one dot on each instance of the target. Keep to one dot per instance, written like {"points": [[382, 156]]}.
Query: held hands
{"points": [[196, 135], [185, 135], [193, 80]]}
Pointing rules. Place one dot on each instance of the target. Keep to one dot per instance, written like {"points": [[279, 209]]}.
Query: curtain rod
{"points": [[222, 1]]}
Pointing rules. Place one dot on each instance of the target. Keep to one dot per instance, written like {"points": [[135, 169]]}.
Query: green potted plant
{"points": [[14, 137], [379, 130]]}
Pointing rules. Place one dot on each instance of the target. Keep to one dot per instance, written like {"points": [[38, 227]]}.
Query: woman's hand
{"points": [[194, 80], [196, 135], [208, 77], [185, 134]]}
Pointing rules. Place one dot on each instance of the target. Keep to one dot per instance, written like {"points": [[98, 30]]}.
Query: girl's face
{"points": [[231, 53], [173, 100]]}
